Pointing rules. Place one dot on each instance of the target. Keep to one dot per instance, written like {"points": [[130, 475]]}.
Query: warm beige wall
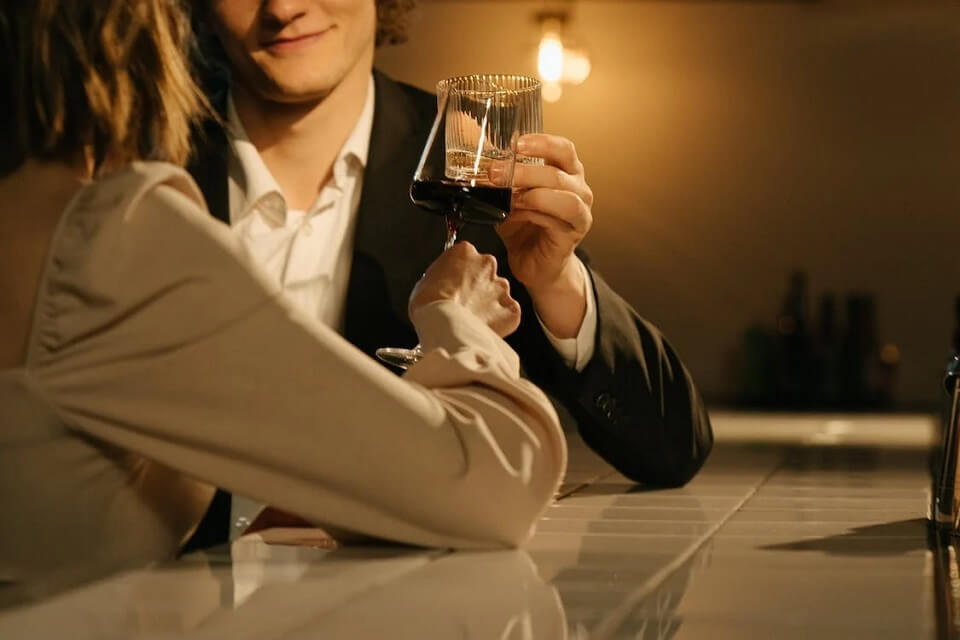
{"points": [[729, 142]]}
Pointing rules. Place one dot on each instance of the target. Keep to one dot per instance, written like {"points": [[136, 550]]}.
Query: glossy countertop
{"points": [[799, 526]]}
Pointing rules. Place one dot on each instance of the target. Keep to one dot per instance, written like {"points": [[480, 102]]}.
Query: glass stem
{"points": [[454, 222]]}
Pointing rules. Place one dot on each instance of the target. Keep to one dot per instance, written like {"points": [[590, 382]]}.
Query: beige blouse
{"points": [[161, 360]]}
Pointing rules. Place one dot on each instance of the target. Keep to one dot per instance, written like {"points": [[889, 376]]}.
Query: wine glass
{"points": [[465, 172]]}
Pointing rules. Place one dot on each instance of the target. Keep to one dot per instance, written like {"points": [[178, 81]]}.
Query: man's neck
{"points": [[299, 143]]}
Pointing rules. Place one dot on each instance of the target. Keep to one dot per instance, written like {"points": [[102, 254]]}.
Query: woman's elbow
{"points": [[506, 506]]}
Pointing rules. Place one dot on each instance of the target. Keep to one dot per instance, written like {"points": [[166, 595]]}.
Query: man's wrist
{"points": [[562, 303]]}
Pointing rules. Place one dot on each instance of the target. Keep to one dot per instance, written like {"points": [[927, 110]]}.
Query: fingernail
{"points": [[523, 146]]}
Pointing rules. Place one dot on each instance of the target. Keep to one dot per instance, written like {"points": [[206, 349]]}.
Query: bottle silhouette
{"points": [[878, 376], [827, 347], [796, 375], [851, 364]]}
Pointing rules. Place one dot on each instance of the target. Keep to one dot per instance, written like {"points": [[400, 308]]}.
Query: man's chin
{"points": [[294, 84], [298, 95], [293, 93]]}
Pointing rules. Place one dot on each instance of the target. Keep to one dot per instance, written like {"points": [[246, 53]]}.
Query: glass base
{"points": [[400, 358]]}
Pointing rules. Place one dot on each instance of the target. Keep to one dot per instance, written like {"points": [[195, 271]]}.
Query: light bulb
{"points": [[550, 58]]}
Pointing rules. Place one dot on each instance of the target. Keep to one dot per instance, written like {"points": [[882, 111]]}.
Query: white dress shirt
{"points": [[308, 253]]}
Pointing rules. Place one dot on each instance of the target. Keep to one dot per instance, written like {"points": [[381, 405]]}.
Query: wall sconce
{"points": [[559, 61]]}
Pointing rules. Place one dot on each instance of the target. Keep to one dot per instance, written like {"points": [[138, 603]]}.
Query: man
{"points": [[314, 176]]}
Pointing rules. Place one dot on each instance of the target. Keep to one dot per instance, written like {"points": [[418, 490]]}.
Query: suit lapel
{"points": [[394, 241], [208, 166]]}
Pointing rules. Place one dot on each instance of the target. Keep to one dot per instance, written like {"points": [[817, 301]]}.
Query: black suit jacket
{"points": [[635, 403]]}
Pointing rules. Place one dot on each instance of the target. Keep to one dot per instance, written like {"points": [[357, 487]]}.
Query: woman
{"points": [[143, 358]]}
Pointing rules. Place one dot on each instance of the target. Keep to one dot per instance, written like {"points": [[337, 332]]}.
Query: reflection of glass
{"points": [[466, 170]]}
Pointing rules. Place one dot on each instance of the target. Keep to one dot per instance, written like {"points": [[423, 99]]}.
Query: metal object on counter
{"points": [[946, 505]]}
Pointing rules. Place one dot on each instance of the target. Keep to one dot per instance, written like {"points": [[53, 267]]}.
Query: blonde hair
{"points": [[109, 77]]}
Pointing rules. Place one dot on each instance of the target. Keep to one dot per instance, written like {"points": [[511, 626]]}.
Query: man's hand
{"points": [[550, 214]]}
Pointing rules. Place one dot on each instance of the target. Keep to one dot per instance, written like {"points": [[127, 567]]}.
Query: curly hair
{"points": [[393, 17]]}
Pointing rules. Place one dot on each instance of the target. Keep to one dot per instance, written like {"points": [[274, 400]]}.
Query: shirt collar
{"points": [[254, 179], [358, 142]]}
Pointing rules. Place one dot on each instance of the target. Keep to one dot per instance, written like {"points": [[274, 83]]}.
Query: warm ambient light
{"points": [[557, 62], [576, 66], [550, 57]]}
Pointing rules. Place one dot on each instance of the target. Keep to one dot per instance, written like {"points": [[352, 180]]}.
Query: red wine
{"points": [[475, 204]]}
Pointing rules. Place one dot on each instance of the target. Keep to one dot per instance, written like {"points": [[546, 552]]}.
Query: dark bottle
{"points": [[867, 372], [792, 321], [796, 375], [852, 357], [827, 347], [757, 368], [878, 376]]}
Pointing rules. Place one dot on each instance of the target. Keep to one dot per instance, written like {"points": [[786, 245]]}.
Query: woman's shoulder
{"points": [[120, 190], [140, 233], [143, 195]]}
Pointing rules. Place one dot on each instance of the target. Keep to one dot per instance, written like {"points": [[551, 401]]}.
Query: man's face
{"points": [[295, 50]]}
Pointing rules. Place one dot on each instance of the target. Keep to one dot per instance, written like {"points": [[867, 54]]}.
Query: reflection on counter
{"points": [[265, 591], [795, 528]]}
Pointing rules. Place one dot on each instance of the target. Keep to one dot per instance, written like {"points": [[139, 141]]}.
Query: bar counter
{"points": [[799, 526]]}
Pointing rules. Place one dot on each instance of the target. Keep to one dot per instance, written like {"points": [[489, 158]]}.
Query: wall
{"points": [[730, 142]]}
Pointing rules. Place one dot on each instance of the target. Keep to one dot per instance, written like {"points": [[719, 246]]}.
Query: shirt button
{"points": [[273, 202]]}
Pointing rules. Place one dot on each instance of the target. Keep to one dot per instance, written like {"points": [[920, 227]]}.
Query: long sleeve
{"points": [[635, 402], [156, 334], [576, 352]]}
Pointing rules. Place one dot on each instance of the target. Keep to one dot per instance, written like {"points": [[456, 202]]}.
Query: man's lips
{"points": [[282, 45]]}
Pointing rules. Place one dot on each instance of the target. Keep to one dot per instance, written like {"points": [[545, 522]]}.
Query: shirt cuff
{"points": [[576, 352]]}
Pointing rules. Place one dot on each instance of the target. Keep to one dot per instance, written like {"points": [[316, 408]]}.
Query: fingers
{"points": [[466, 253], [502, 285], [486, 293], [555, 150], [484, 266], [564, 205], [507, 318], [463, 248], [463, 274], [530, 176], [489, 264], [552, 232]]}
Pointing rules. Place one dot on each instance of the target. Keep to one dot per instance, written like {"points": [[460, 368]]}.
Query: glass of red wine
{"points": [[465, 173]]}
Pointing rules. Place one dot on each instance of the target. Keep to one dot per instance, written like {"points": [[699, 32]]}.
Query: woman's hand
{"points": [[463, 275]]}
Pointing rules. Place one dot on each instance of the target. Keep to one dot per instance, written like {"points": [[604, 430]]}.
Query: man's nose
{"points": [[283, 11]]}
